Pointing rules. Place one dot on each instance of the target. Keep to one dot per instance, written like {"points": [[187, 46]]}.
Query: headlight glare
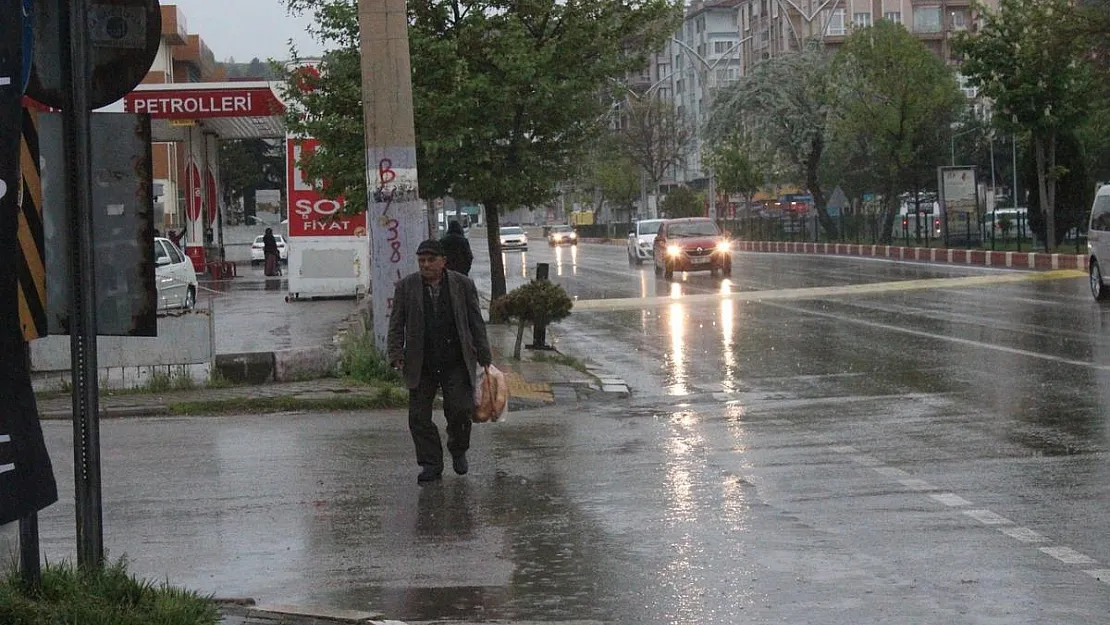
{"points": [[674, 250], [724, 246]]}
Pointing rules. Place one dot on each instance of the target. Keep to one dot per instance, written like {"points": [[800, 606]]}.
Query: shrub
{"points": [[539, 302], [359, 359]]}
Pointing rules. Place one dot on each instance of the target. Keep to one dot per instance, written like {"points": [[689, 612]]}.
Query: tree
{"points": [[538, 302], [739, 165], [897, 100], [790, 103], [247, 165], [653, 135], [1028, 61], [682, 202], [1075, 190], [505, 92]]}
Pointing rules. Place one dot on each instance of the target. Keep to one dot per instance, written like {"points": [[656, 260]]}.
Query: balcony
{"points": [[197, 54]]}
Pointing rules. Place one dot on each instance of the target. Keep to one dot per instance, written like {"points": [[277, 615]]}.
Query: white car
{"points": [[258, 253], [513, 237], [173, 272], [1098, 244], [642, 239]]}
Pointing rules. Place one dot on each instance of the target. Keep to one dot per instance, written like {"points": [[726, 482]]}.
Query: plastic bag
{"points": [[491, 395]]}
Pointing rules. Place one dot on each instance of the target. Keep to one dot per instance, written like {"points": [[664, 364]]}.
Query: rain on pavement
{"points": [[935, 454]]}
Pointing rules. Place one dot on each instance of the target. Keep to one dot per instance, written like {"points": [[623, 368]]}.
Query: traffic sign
{"points": [[124, 36]]}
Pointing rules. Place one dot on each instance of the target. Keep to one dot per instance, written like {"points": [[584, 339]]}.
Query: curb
{"points": [[245, 612]]}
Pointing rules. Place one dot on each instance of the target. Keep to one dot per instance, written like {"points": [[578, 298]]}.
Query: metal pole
{"points": [[86, 394]]}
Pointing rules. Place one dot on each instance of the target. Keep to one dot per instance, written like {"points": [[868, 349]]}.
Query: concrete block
{"points": [[246, 368], [618, 389], [305, 363]]}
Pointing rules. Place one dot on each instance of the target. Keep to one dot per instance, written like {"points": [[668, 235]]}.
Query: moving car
{"points": [[1098, 244], [558, 235], [641, 239], [174, 275], [691, 244], [513, 237], [258, 253]]}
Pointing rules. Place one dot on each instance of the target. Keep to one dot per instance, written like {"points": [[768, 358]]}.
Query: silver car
{"points": [[174, 274], [641, 240], [513, 238], [1098, 245]]}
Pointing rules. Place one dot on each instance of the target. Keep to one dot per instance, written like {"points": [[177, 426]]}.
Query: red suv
{"points": [[692, 244]]}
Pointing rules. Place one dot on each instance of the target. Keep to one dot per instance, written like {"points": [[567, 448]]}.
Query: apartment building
{"points": [[182, 58]]}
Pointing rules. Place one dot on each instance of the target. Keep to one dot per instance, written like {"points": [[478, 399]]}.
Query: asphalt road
{"points": [[909, 444]]}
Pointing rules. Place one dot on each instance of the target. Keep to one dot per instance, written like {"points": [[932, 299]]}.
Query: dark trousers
{"points": [[458, 408]]}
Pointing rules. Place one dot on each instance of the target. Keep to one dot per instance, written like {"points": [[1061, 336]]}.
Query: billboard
{"points": [[959, 204], [311, 214]]}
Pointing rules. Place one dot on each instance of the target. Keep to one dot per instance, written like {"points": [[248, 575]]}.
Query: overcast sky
{"points": [[245, 29]]}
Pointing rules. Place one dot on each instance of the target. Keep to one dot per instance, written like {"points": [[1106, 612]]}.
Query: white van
{"points": [[1098, 244]]}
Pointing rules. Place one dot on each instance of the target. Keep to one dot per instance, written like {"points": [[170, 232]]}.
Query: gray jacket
{"points": [[406, 325]]}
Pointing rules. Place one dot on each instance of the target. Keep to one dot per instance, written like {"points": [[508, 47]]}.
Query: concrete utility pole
{"points": [[395, 215]]}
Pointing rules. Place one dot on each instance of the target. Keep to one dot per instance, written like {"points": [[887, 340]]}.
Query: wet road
{"points": [[251, 314], [879, 454]]}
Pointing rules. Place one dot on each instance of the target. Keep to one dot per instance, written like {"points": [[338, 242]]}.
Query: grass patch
{"points": [[163, 381], [360, 360], [560, 359], [385, 397], [103, 597], [217, 380]]}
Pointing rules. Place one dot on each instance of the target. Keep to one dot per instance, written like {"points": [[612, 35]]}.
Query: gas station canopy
{"points": [[230, 110]]}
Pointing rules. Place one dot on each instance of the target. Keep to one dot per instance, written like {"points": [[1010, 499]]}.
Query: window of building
{"points": [[958, 20], [861, 20], [835, 24], [720, 47], [894, 16], [664, 70], [926, 19]]}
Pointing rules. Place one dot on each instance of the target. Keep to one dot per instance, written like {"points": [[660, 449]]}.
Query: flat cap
{"points": [[431, 247]]}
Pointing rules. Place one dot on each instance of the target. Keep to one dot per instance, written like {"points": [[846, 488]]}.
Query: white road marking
{"points": [[865, 460], [1067, 555], [1102, 575], [915, 484], [986, 517], [5, 468], [845, 449], [1024, 534], [5, 438], [951, 500], [891, 472]]}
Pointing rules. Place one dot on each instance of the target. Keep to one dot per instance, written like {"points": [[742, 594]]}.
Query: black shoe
{"points": [[429, 474], [460, 464]]}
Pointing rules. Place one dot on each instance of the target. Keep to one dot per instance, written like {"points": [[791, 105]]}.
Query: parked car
{"points": [[641, 239], [258, 254], [562, 234], [691, 244], [513, 237], [1098, 244], [175, 277]]}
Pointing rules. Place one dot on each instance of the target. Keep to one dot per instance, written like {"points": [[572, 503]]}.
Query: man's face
{"points": [[431, 266]]}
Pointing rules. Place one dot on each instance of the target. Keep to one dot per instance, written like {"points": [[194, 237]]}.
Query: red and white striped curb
{"points": [[986, 258]]}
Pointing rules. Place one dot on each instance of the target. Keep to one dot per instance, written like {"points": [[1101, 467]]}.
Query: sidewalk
{"points": [[539, 378]]}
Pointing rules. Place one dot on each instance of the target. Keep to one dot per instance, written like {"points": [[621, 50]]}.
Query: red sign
{"points": [[201, 103], [193, 200], [210, 193], [311, 214]]}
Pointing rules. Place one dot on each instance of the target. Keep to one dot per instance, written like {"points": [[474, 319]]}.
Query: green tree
{"points": [[1027, 60], [682, 202], [896, 96], [508, 94], [790, 102], [247, 165], [539, 302], [653, 135], [1075, 189], [739, 165]]}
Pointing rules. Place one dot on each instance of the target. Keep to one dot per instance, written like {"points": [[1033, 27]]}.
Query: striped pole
{"points": [[31, 263]]}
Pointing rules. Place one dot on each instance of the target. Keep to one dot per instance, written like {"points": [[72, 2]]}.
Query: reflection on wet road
{"points": [[884, 454]]}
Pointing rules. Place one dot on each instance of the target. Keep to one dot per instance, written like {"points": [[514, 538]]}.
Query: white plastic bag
{"points": [[491, 395]]}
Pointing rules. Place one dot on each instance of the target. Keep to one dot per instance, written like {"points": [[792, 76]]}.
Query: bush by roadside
{"points": [[360, 360], [105, 597]]}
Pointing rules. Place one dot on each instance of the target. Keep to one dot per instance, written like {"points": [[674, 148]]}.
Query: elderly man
{"points": [[437, 339]]}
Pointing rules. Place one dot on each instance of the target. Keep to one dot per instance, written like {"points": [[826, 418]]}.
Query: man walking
{"points": [[457, 249], [437, 339]]}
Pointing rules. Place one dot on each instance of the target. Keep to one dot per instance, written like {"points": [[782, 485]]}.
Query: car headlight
{"points": [[673, 250], [724, 246], [574, 235]]}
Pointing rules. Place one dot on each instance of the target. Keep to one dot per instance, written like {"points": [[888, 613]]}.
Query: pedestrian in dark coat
{"points": [[457, 248], [437, 339], [271, 253]]}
